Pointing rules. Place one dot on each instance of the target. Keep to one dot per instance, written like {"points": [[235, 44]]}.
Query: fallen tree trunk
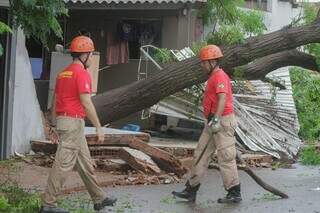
{"points": [[126, 100]]}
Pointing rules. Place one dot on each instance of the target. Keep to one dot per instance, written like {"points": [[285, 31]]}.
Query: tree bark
{"points": [[123, 101], [259, 68]]}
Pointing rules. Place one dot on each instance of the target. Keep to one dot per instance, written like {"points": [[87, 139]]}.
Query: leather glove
{"points": [[214, 123]]}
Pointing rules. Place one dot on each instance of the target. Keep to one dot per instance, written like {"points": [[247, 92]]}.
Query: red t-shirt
{"points": [[219, 82], [70, 83]]}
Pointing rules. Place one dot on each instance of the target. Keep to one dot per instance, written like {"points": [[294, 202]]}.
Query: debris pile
{"points": [[121, 152]]}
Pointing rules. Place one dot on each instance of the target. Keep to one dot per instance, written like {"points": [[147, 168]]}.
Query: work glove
{"points": [[214, 123]]}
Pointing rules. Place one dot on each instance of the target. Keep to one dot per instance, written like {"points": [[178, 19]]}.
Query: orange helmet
{"points": [[81, 44], [210, 52]]}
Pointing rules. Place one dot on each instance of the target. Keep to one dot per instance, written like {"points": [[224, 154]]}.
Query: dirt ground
{"points": [[35, 177]]}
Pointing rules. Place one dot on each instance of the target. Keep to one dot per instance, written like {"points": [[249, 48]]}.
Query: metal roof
{"points": [[133, 1]]}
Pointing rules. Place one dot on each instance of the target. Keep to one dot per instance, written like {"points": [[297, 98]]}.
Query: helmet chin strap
{"points": [[84, 63], [213, 67]]}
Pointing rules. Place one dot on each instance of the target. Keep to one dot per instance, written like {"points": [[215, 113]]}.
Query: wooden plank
{"points": [[165, 161], [116, 139], [46, 146], [139, 161]]}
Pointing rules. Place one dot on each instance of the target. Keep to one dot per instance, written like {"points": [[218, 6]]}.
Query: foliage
{"points": [[4, 29], [196, 47], [225, 10], [310, 156], [310, 14], [231, 24], [227, 34], [306, 90], [163, 55], [248, 23], [38, 18], [16, 200], [4, 204]]}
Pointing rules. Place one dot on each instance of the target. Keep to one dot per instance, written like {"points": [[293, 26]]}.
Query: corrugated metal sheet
{"points": [[273, 112], [133, 1]]}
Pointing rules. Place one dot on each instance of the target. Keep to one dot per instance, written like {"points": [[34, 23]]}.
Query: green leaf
{"points": [[4, 28], [29, 2], [38, 18]]}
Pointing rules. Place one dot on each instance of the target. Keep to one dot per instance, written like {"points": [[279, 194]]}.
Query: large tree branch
{"points": [[259, 68], [122, 102]]}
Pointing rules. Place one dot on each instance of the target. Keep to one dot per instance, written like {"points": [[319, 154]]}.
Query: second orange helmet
{"points": [[81, 44], [210, 52]]}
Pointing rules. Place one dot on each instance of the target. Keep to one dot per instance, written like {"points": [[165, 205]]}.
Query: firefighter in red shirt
{"points": [[218, 133], [71, 104]]}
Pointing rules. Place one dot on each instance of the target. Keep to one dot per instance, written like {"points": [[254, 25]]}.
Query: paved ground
{"points": [[302, 184]]}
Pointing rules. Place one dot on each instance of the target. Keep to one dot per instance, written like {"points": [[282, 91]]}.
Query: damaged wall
{"points": [[27, 121]]}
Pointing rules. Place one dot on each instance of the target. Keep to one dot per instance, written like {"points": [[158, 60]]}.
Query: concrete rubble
{"points": [[134, 155]]}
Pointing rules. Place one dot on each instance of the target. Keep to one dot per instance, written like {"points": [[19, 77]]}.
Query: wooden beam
{"points": [[139, 161], [165, 161]]}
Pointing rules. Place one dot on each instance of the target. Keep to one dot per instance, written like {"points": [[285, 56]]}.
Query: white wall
{"points": [[281, 15], [27, 121]]}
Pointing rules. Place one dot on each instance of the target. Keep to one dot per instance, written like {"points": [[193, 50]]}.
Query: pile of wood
{"points": [[133, 149]]}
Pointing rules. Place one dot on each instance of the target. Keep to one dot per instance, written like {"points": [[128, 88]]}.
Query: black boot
{"points": [[52, 209], [233, 196], [189, 193], [108, 201]]}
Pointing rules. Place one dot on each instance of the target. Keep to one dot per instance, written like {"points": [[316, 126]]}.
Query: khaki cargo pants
{"points": [[224, 143], [72, 152]]}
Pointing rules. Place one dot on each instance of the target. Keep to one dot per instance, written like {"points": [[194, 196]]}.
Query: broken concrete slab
{"points": [[139, 160]]}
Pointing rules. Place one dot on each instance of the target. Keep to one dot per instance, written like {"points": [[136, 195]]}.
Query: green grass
{"points": [[310, 156], [14, 199]]}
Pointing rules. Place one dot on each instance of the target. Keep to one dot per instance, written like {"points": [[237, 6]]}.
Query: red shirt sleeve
{"points": [[84, 82], [221, 83]]}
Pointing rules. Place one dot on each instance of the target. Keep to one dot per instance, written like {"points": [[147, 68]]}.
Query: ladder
{"points": [[142, 75], [180, 55]]}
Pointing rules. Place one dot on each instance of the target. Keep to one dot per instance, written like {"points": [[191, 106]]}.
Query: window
{"points": [[257, 4]]}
